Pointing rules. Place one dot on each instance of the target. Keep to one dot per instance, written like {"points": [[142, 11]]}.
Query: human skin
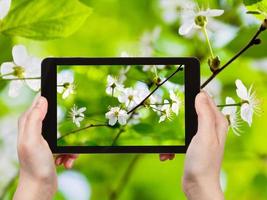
{"points": [[37, 175], [201, 179]]}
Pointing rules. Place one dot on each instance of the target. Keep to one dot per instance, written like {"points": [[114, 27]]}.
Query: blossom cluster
{"points": [[127, 98]]}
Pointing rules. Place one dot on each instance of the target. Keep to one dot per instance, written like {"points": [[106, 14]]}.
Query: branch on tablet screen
{"points": [[81, 129], [180, 68]]}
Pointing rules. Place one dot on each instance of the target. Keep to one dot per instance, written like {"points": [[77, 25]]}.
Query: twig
{"points": [[125, 178], [142, 102], [229, 105], [81, 129], [15, 79], [252, 42], [117, 136]]}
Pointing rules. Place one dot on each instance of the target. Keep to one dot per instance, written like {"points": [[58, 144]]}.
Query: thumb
{"points": [[206, 116], [33, 124]]}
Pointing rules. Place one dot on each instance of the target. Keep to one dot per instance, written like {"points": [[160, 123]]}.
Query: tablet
{"points": [[120, 105]]}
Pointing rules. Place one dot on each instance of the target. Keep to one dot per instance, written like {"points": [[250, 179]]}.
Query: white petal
{"points": [[112, 121], [186, 27], [20, 55], [162, 118], [247, 113], [77, 123], [35, 85], [211, 12], [122, 120], [33, 67], [7, 68], [60, 89], [81, 110], [4, 8], [66, 93], [175, 108], [14, 88], [229, 110], [241, 90]]}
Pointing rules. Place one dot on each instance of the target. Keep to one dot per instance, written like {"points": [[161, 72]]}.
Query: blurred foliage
{"points": [[116, 26]]}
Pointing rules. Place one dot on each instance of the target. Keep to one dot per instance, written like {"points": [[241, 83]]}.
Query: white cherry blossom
{"points": [[24, 69], [147, 42], [231, 113], [65, 83], [116, 114], [77, 115], [165, 111], [176, 102], [129, 97], [250, 104], [4, 8], [114, 86], [194, 20]]}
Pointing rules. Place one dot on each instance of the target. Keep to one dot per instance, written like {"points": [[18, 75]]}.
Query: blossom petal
{"points": [[112, 121], [229, 110], [20, 55], [60, 89], [122, 120], [241, 90], [4, 8], [14, 88], [247, 113], [211, 12], [35, 85], [162, 118], [81, 110], [186, 27], [7, 68]]}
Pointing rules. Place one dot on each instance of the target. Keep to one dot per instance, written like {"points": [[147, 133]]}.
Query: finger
{"points": [[33, 123], [23, 117], [68, 163], [206, 116], [59, 160], [164, 157], [221, 123]]}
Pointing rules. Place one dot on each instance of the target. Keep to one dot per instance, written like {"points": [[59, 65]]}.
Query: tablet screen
{"points": [[120, 105]]}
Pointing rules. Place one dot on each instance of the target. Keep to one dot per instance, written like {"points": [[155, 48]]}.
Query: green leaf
{"points": [[45, 19], [257, 8], [251, 2]]}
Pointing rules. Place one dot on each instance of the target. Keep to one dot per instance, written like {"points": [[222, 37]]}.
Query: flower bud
{"points": [[257, 41], [264, 24], [157, 80], [214, 63]]}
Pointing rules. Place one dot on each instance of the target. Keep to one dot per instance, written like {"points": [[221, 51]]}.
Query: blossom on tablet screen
{"points": [[176, 102], [165, 111], [231, 114], [193, 20], [129, 97], [116, 114], [143, 92], [4, 8], [23, 69], [153, 68], [249, 102], [77, 115], [65, 83], [114, 86]]}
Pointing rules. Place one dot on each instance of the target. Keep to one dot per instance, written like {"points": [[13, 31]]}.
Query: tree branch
{"points": [[81, 129], [15, 79], [159, 85], [252, 42]]}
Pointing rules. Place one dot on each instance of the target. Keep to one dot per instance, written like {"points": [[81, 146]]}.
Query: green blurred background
{"points": [[116, 26]]}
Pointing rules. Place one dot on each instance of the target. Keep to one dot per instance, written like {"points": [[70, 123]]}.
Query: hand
{"points": [[205, 153], [37, 177]]}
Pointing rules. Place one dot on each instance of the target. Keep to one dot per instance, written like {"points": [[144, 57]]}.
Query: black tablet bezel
{"points": [[49, 91]]}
